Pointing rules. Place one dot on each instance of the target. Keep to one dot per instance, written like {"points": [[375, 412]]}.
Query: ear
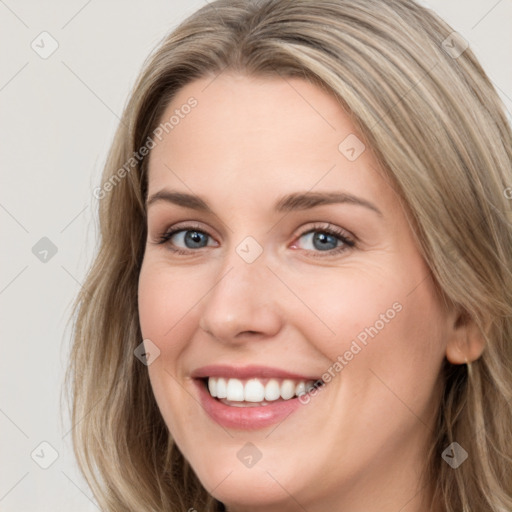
{"points": [[466, 343]]}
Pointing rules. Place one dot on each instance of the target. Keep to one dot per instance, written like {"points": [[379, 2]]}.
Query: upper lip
{"points": [[247, 372]]}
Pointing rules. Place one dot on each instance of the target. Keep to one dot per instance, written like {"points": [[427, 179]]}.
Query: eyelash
{"points": [[327, 229]]}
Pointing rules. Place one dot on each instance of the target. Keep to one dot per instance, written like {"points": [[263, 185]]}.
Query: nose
{"points": [[243, 304]]}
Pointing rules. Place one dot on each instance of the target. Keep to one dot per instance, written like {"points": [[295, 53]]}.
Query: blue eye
{"points": [[322, 240], [325, 239], [192, 238], [329, 240]]}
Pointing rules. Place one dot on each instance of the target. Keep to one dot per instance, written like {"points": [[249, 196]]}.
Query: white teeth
{"points": [[212, 387], [254, 390], [287, 389], [300, 389], [272, 390], [235, 390], [221, 388]]}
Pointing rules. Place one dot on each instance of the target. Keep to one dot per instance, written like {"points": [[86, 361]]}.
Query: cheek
{"points": [[381, 327], [344, 308], [385, 355], [167, 304]]}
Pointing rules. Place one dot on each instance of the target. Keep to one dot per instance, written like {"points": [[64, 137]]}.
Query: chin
{"points": [[248, 488], [252, 491]]}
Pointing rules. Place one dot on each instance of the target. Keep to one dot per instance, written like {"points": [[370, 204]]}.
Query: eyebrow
{"points": [[288, 203]]}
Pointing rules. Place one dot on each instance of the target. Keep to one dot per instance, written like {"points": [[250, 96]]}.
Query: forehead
{"points": [[253, 135]]}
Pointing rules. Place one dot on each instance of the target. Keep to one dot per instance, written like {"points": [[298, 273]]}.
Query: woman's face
{"points": [[295, 263]]}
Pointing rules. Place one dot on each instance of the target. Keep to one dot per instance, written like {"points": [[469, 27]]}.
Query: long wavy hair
{"points": [[437, 127]]}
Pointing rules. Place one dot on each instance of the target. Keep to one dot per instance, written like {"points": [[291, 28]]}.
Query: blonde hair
{"points": [[436, 125]]}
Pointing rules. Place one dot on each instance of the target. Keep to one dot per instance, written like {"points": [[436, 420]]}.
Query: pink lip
{"points": [[245, 418], [247, 372]]}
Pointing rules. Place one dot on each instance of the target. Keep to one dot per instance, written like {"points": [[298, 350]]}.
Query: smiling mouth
{"points": [[256, 392]]}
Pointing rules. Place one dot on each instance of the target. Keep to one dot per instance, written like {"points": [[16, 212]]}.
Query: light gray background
{"points": [[57, 119]]}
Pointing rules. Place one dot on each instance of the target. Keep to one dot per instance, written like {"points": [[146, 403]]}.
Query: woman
{"points": [[302, 298]]}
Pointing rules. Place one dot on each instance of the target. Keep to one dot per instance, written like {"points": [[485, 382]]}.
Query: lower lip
{"points": [[245, 418]]}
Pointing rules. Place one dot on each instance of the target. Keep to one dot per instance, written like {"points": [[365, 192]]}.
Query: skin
{"points": [[360, 444]]}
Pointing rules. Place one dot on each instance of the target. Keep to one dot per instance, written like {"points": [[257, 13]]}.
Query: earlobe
{"points": [[466, 343]]}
